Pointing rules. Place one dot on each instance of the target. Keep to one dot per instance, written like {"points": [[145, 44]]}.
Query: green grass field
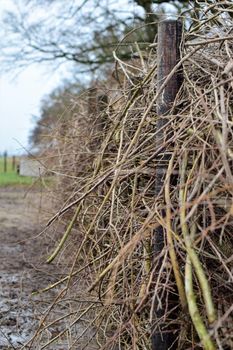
{"points": [[11, 178]]}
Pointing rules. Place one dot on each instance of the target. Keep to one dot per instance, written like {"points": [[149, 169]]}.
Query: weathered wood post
{"points": [[168, 55], [5, 161]]}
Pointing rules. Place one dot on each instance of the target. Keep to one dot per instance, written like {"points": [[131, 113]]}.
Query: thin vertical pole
{"points": [[92, 101], [168, 55], [5, 161]]}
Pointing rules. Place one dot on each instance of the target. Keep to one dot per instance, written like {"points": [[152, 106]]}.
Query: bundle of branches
{"points": [[115, 212]]}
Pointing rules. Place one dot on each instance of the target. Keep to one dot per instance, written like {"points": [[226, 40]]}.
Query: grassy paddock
{"points": [[11, 177]]}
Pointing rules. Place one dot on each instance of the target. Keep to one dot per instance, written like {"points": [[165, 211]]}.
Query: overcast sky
{"points": [[20, 99]]}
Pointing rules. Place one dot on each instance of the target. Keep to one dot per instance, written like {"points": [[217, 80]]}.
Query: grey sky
{"points": [[20, 99]]}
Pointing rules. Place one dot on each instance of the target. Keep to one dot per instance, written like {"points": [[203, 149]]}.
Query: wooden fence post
{"points": [[5, 161], [168, 55], [92, 101]]}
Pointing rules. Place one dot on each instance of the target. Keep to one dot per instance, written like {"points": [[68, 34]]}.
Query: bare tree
{"points": [[83, 33]]}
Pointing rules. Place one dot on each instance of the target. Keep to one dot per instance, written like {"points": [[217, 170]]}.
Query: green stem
{"points": [[193, 309], [65, 236]]}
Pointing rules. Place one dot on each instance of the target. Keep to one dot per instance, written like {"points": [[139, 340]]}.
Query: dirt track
{"points": [[23, 254], [22, 267]]}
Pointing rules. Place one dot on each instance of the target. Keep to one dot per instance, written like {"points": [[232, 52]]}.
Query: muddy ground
{"points": [[23, 270]]}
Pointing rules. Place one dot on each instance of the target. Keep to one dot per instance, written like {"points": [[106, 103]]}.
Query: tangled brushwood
{"points": [[111, 212]]}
